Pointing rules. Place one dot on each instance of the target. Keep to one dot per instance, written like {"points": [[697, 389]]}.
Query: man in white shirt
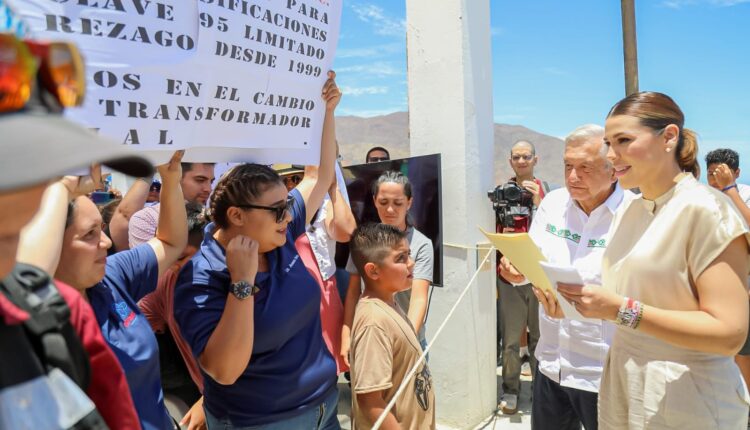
{"points": [[722, 172], [571, 228]]}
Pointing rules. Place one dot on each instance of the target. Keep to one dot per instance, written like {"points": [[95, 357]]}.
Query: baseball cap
{"points": [[288, 169], [39, 145]]}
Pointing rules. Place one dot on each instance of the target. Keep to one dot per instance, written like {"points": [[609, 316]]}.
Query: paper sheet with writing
{"points": [[233, 80], [566, 275], [523, 254]]}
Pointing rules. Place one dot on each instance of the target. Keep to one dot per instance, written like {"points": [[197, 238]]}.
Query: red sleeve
{"points": [[541, 188], [152, 304], [108, 388]]}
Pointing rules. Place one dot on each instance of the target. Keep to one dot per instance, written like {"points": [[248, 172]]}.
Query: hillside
{"points": [[356, 135]]}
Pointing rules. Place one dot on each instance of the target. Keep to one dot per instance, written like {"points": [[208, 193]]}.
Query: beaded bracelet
{"points": [[630, 313]]}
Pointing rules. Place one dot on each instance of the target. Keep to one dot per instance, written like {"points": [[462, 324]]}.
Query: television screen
{"points": [[425, 213]]}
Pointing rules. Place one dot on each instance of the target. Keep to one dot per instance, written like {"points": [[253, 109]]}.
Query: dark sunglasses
{"points": [[377, 159], [294, 179], [59, 66], [280, 211], [527, 157]]}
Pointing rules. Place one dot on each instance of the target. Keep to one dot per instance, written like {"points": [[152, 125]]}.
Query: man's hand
{"points": [[509, 272], [723, 175], [195, 418], [549, 302], [242, 259], [534, 189], [82, 185], [331, 92], [592, 301], [172, 171]]}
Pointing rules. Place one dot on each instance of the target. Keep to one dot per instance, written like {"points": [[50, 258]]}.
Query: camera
{"points": [[510, 200], [510, 194]]}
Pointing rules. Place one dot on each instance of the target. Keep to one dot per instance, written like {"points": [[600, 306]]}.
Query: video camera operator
{"points": [[514, 203]]}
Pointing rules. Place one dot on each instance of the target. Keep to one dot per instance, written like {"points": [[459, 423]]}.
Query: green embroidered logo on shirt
{"points": [[564, 233], [597, 243]]}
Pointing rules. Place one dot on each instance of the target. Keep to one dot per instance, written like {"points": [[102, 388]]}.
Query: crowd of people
{"points": [[222, 295]]}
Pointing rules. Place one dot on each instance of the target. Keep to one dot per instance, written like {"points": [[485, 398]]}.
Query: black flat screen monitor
{"points": [[425, 213]]}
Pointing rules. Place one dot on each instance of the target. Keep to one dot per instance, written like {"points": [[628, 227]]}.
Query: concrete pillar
{"points": [[450, 112]]}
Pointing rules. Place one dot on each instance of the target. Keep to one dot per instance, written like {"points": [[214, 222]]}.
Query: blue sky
{"points": [[558, 64]]}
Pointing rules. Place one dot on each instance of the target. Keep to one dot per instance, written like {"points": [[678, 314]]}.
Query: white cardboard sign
{"points": [[234, 80]]}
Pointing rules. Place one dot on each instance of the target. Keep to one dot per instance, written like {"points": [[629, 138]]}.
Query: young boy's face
{"points": [[395, 271]]}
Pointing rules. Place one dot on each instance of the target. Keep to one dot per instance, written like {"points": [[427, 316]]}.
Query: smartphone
{"points": [[102, 197]]}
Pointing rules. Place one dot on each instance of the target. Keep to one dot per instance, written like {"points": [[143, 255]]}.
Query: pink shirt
{"points": [[158, 307], [331, 308], [142, 225]]}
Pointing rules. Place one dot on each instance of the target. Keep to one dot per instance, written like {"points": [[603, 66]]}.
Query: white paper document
{"points": [[566, 275]]}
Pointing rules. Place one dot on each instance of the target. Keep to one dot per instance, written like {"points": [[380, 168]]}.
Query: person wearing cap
{"points": [[40, 146], [66, 239], [153, 193], [291, 174]]}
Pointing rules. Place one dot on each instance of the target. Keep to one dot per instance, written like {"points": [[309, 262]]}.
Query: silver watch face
{"points": [[242, 290]]}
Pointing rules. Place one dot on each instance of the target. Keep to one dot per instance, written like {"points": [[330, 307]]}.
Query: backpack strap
{"points": [[49, 328]]}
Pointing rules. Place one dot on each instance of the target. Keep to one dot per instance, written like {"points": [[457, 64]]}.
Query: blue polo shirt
{"points": [[291, 369], [129, 276]]}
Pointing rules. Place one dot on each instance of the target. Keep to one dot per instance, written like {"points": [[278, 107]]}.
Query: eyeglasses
{"points": [[280, 211], [377, 159], [59, 66], [292, 179], [527, 157]]}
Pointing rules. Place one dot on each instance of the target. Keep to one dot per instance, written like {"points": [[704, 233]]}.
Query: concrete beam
{"points": [[450, 112]]}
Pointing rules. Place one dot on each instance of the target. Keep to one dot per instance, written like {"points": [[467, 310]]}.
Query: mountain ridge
{"points": [[358, 134]]}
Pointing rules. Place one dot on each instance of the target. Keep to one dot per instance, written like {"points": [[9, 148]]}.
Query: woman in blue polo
{"points": [[66, 238], [249, 308]]}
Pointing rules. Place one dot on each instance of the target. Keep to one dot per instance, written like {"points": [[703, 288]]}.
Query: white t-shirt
{"points": [[323, 245], [572, 352], [744, 191]]}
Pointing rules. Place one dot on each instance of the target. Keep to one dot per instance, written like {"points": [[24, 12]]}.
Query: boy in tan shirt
{"points": [[384, 344]]}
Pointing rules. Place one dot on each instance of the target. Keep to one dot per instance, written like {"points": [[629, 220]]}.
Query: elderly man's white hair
{"points": [[586, 131]]}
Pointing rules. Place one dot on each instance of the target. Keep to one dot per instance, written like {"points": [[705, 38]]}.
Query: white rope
{"points": [[480, 246], [414, 368]]}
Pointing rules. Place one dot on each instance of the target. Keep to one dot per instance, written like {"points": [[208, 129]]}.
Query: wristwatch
{"points": [[243, 289]]}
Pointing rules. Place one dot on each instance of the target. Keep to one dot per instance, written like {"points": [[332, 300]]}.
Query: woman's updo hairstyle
{"points": [[240, 185], [396, 178], [656, 111]]}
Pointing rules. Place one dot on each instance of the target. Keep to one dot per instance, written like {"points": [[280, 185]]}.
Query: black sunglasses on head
{"points": [[280, 211]]}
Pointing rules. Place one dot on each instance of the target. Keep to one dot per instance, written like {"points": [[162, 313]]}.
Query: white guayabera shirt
{"points": [[572, 352]]}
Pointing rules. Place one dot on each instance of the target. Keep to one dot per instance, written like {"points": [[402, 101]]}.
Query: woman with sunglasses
{"points": [[66, 238], [249, 308]]}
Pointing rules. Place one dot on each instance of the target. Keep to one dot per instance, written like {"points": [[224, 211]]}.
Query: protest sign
{"points": [[216, 76]]}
